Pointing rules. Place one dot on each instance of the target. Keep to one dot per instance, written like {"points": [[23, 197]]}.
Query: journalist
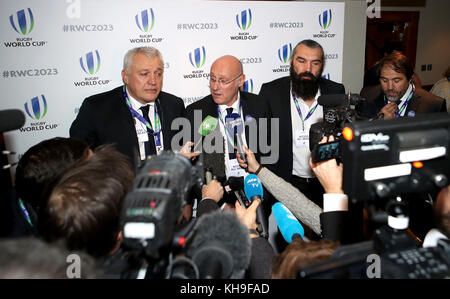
{"points": [[329, 222]]}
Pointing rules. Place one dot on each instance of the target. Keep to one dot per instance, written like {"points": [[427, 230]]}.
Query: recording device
{"points": [[338, 109], [151, 209], [254, 190], [235, 126], [219, 246], [287, 223], [387, 159], [236, 185]]}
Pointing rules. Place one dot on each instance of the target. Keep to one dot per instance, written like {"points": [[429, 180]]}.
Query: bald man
{"points": [[225, 81]]}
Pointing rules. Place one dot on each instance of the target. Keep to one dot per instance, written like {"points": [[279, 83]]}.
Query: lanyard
{"points": [[229, 134], [134, 113], [311, 111], [405, 104]]}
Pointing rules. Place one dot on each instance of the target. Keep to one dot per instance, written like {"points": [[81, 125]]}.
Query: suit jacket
{"points": [[421, 102], [105, 119], [252, 107], [277, 94]]}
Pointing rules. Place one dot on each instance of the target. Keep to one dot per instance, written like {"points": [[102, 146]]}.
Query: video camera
{"points": [[338, 109], [388, 159], [150, 211]]}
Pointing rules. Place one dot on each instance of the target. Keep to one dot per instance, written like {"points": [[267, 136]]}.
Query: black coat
{"points": [[277, 94], [105, 119]]}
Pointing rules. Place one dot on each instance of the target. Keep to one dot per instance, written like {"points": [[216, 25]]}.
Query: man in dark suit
{"points": [[136, 117], [226, 78], [397, 95], [293, 100]]}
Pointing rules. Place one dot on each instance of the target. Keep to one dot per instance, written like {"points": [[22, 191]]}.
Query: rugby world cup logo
{"points": [[244, 20], [248, 86], [36, 108], [145, 20], [90, 63], [285, 53], [22, 21], [198, 57], [325, 19]]}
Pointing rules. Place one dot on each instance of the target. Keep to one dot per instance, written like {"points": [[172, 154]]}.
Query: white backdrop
{"points": [[55, 53]]}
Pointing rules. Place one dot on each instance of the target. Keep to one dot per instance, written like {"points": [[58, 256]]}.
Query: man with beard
{"points": [[293, 100], [397, 95]]}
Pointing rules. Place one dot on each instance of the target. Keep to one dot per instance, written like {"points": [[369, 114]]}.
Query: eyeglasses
{"points": [[222, 82]]}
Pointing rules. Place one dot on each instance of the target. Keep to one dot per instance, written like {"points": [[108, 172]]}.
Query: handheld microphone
{"points": [[208, 125], [11, 119], [253, 190], [288, 225], [236, 184], [235, 126]]}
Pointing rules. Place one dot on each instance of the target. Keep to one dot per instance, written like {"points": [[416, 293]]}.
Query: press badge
{"points": [[301, 138], [234, 169]]}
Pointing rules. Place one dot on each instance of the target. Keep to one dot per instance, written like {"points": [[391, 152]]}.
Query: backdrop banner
{"points": [[54, 54]]}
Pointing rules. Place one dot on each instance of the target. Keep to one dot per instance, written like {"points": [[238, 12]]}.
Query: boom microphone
{"points": [[220, 246], [287, 223], [253, 190], [11, 119]]}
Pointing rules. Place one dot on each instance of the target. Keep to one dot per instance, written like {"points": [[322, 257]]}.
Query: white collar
{"points": [[235, 106], [405, 96], [135, 104]]}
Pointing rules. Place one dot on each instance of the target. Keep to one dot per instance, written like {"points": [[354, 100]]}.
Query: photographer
{"points": [[329, 222]]}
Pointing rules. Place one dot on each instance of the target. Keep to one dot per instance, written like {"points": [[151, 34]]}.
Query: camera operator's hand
{"points": [[186, 151], [252, 164], [389, 110], [330, 174], [248, 216], [213, 190]]}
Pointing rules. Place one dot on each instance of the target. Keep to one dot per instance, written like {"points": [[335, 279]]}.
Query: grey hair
{"points": [[150, 52]]}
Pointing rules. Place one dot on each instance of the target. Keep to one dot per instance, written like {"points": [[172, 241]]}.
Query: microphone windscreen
{"points": [[331, 100], [233, 122], [253, 186], [286, 222], [11, 119], [208, 125], [217, 233]]}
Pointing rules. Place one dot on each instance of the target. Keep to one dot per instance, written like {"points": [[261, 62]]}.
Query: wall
{"points": [[433, 41]]}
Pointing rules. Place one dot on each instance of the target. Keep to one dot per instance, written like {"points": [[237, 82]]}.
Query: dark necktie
{"points": [[232, 155], [150, 147]]}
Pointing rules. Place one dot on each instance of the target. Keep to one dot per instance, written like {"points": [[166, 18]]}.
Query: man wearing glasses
{"points": [[226, 102]]}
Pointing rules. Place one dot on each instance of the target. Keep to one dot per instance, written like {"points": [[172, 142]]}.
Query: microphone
{"points": [[11, 119], [214, 165], [220, 246], [208, 125], [236, 184], [253, 190], [234, 125], [332, 100], [288, 225]]}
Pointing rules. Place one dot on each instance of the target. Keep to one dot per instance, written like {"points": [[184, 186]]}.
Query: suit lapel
{"points": [[124, 115], [413, 105]]}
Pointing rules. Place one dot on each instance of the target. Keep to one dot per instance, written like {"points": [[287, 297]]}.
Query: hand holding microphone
{"points": [[251, 162], [213, 190]]}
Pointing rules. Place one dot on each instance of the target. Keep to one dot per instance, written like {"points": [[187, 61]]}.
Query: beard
{"points": [[305, 88]]}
